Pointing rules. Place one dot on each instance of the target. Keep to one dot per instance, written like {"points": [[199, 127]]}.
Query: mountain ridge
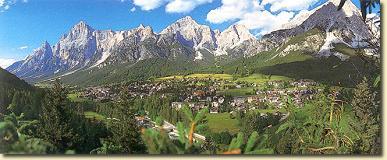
{"points": [[84, 48]]}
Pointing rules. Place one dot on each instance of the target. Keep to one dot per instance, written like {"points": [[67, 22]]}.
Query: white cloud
{"points": [[23, 47], [230, 10], [184, 6], [4, 63], [264, 21], [172, 6], [147, 5], [289, 5], [6, 4], [255, 15], [133, 9]]}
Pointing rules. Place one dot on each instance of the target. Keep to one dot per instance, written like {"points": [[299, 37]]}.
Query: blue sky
{"points": [[26, 24]]}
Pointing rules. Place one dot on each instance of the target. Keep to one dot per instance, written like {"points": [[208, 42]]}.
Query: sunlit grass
{"points": [[198, 76], [254, 78], [238, 91], [75, 97], [94, 115], [261, 78], [222, 122]]}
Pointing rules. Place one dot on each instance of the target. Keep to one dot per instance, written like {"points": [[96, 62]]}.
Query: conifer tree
{"points": [[125, 131], [55, 119], [367, 111]]}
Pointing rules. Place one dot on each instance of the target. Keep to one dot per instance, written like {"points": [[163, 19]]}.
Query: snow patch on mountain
{"points": [[199, 55], [105, 55], [330, 40]]}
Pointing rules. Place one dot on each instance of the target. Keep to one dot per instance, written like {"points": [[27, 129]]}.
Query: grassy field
{"points": [[74, 97], [282, 110], [199, 76], [92, 115], [344, 49], [261, 78], [254, 78], [43, 85], [238, 91], [222, 122]]}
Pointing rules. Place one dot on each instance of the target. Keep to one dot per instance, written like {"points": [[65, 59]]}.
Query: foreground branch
{"points": [[321, 149]]}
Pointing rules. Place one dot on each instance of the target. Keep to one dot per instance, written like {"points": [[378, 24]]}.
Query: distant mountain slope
{"points": [[142, 70], [8, 80], [295, 59], [344, 26], [9, 84], [295, 64], [84, 48]]}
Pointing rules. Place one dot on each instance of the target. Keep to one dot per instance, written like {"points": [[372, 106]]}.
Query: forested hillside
{"points": [[12, 89]]}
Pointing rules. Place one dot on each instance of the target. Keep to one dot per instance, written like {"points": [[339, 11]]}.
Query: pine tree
{"points": [[367, 111], [15, 104], [8, 136], [55, 119], [125, 131]]}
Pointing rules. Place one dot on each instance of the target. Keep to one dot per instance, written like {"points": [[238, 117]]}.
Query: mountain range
{"points": [[85, 50]]}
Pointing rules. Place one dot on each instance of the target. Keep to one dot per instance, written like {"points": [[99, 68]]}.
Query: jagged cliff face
{"points": [[40, 63], [232, 37], [142, 44], [189, 33], [76, 48], [344, 26], [86, 48]]}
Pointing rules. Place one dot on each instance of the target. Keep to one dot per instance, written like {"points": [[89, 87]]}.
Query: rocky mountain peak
{"points": [[234, 35], [188, 32], [141, 26], [79, 30], [44, 50], [349, 8], [144, 32], [242, 31], [187, 20], [45, 45], [80, 26], [81, 23], [186, 24]]}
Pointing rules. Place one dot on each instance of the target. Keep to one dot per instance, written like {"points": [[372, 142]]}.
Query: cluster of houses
{"points": [[214, 103], [274, 97], [136, 89], [303, 83], [141, 89], [300, 92], [98, 94], [197, 97]]}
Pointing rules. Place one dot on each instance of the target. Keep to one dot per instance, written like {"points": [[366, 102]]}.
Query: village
{"points": [[212, 93]]}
